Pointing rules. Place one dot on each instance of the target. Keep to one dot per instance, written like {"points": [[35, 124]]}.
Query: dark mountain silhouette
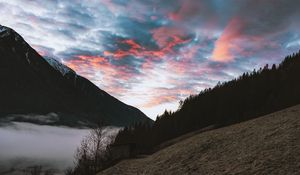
{"points": [[31, 84], [251, 95]]}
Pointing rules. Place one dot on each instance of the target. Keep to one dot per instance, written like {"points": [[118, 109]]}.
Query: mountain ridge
{"points": [[32, 85]]}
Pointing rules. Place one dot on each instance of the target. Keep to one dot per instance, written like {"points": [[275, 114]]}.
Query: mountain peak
{"points": [[8, 32], [4, 31], [3, 28], [40, 85], [63, 69]]}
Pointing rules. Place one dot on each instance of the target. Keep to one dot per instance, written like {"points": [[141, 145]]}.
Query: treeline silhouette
{"points": [[254, 94]]}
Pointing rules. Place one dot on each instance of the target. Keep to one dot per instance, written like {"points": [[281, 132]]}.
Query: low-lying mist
{"points": [[24, 144]]}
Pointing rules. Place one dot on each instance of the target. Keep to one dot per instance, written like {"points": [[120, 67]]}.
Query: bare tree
{"points": [[92, 155]]}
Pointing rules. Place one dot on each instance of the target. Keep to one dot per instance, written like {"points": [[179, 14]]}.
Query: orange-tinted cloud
{"points": [[165, 95], [186, 61], [99, 69], [139, 51], [159, 101], [162, 35], [226, 44], [135, 50]]}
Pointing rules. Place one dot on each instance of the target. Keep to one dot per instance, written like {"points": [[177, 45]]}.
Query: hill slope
{"points": [[266, 145], [31, 84]]}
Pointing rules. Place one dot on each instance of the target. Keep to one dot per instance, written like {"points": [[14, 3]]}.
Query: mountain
{"points": [[266, 145], [33, 86]]}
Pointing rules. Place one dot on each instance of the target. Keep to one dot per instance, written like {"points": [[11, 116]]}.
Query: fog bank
{"points": [[25, 144]]}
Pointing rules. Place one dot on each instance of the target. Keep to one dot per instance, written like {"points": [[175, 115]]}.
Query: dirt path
{"points": [[266, 145]]}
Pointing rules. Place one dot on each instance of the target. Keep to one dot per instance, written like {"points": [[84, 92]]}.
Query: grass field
{"points": [[266, 145]]}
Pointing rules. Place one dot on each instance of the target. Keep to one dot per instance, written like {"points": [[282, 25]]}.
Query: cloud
{"points": [[163, 35], [227, 42], [133, 49], [166, 95], [254, 26]]}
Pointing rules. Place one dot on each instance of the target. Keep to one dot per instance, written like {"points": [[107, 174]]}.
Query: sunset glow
{"points": [[152, 54]]}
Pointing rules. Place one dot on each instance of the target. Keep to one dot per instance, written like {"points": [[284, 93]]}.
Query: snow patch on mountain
{"points": [[4, 31], [63, 69]]}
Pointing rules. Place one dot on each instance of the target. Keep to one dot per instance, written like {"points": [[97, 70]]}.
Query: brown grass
{"points": [[266, 145]]}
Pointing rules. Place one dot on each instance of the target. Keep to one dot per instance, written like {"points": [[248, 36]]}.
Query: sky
{"points": [[153, 53]]}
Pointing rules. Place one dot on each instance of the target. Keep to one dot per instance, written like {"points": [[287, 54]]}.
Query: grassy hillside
{"points": [[266, 145]]}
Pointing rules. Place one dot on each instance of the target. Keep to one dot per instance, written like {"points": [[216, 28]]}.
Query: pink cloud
{"points": [[162, 35], [99, 68], [135, 50], [165, 95], [139, 51], [226, 44], [236, 42], [186, 61]]}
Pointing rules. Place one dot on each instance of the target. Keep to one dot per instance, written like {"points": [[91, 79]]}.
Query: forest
{"points": [[251, 95]]}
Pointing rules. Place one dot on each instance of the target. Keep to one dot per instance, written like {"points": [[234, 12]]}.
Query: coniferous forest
{"points": [[251, 95]]}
